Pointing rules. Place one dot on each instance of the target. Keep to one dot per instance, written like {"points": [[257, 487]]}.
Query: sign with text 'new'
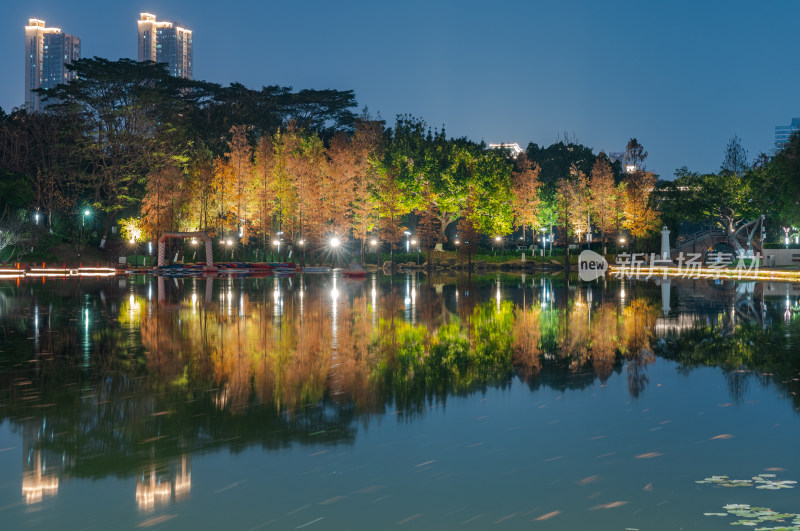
{"points": [[591, 266]]}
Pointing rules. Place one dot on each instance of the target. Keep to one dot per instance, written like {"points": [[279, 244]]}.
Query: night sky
{"points": [[682, 77]]}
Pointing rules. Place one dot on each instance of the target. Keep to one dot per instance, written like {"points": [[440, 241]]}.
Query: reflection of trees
{"points": [[639, 320], [604, 340], [745, 352], [250, 368], [527, 337]]}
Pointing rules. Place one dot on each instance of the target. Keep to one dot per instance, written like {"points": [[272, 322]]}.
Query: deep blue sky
{"points": [[681, 76]]}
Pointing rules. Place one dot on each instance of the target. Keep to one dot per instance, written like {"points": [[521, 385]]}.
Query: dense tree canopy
{"points": [[276, 169]]}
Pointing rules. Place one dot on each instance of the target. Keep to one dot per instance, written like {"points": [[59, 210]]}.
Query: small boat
{"points": [[354, 270]]}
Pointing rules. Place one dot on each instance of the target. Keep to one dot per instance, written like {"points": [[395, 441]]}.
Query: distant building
{"points": [[784, 132], [615, 156], [513, 148], [619, 156], [47, 52], [165, 42]]}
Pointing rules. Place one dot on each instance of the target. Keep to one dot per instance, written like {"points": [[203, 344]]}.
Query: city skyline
{"points": [[682, 80]]}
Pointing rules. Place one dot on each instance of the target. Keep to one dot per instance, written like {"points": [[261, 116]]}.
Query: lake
{"points": [[318, 402]]}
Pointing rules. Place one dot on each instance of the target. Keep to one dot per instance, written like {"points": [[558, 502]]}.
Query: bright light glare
{"points": [[86, 212], [302, 242], [457, 242], [276, 242], [335, 242], [497, 238], [413, 242], [622, 240], [373, 242]]}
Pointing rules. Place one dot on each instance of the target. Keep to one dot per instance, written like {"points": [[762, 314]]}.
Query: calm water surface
{"points": [[317, 402]]}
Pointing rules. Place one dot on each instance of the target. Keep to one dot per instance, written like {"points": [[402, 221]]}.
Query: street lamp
{"points": [[335, 242], [408, 237], [544, 240], [499, 241], [276, 245], [86, 213], [374, 243], [414, 242]]}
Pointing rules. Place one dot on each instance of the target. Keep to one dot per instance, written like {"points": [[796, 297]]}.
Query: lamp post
{"points": [[414, 242], [408, 239], [132, 241], [499, 240], [374, 243], [334, 243], [302, 244], [544, 241], [276, 246]]}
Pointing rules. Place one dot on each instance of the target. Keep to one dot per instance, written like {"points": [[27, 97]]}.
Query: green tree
{"points": [[129, 113]]}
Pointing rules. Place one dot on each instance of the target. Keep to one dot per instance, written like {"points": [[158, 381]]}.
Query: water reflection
{"points": [[156, 487], [122, 383], [40, 468]]}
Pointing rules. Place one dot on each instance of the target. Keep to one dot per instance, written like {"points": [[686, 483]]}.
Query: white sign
{"points": [[591, 266]]}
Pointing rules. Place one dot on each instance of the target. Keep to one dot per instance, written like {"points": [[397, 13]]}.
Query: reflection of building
{"points": [[183, 479], [47, 52], [40, 470], [152, 490], [163, 42], [156, 487]]}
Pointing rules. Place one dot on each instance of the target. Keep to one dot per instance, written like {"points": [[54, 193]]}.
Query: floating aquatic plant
{"points": [[761, 481], [761, 518]]}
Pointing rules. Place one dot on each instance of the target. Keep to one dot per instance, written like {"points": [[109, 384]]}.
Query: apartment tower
{"points": [[165, 42], [47, 52]]}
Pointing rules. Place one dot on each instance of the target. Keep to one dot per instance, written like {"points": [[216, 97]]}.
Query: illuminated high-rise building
{"points": [[165, 42], [784, 132], [47, 52]]}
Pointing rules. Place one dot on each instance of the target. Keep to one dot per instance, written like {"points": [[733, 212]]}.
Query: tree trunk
{"points": [[603, 236]]}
